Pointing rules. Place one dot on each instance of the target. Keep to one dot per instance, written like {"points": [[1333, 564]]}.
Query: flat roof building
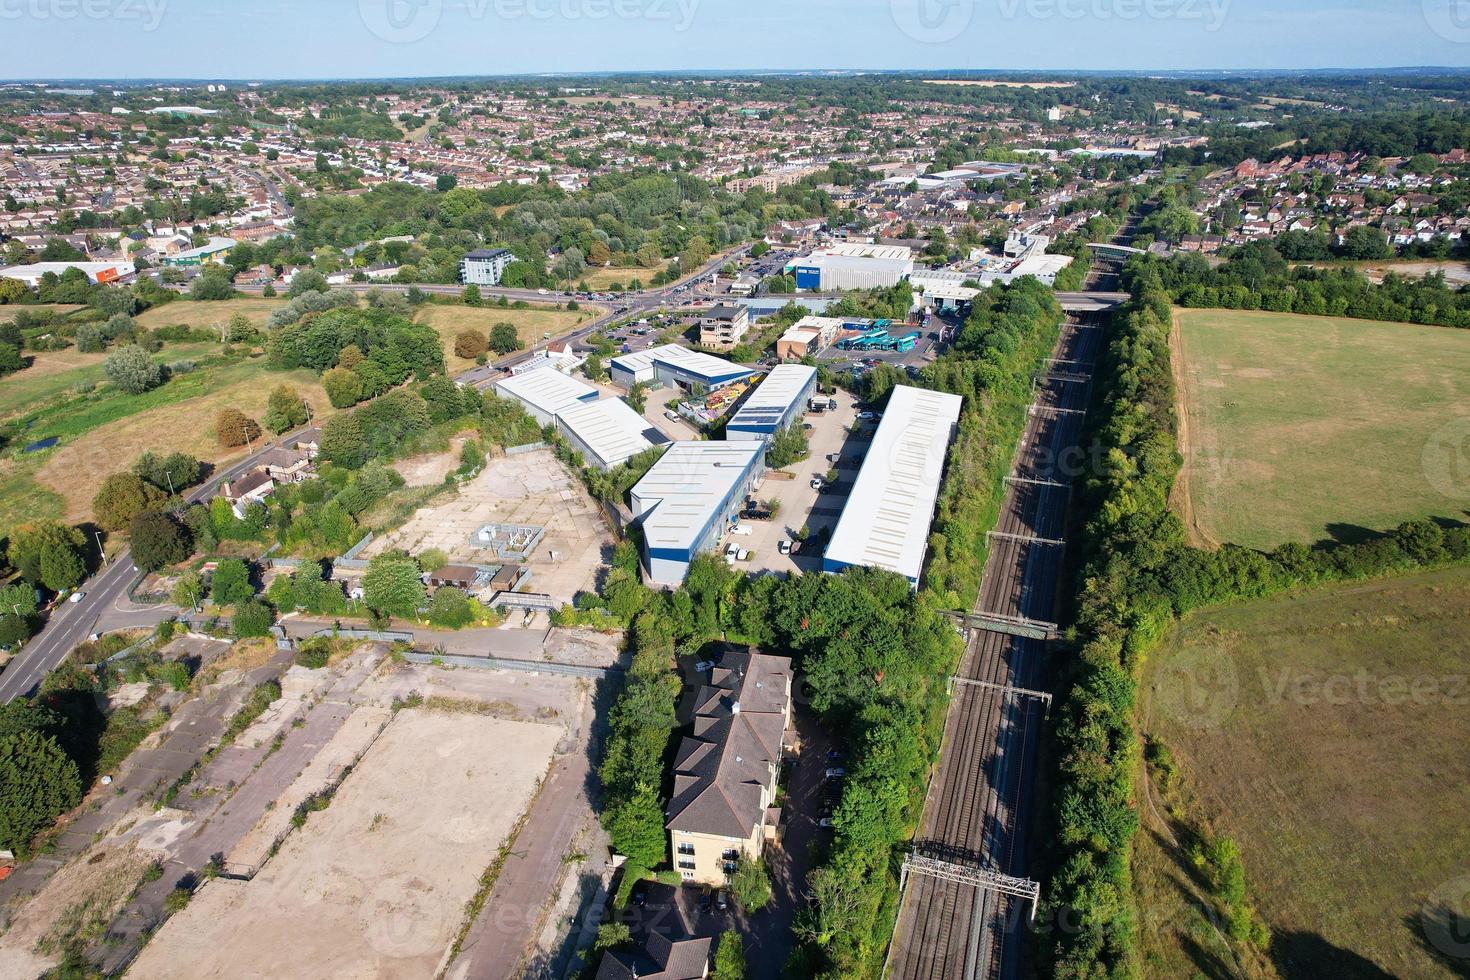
{"points": [[608, 432], [217, 249], [776, 403], [545, 393], [886, 521], [853, 266], [676, 367], [485, 266], [809, 335], [722, 327], [99, 272], [688, 499]]}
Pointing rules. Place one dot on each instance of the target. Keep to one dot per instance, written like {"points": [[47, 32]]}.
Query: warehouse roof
{"points": [[687, 485], [886, 521], [707, 366], [773, 397], [547, 389], [611, 429]]}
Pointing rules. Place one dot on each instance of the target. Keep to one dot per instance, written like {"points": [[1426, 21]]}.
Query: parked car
{"points": [[833, 755], [833, 457], [704, 665], [640, 894], [672, 416], [817, 484], [784, 547], [743, 530], [825, 822], [835, 772], [722, 900], [707, 901], [866, 416], [732, 551]]}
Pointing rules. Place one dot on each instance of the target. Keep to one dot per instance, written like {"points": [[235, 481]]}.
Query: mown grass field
{"points": [[1301, 428], [449, 320], [1325, 732], [599, 279]]}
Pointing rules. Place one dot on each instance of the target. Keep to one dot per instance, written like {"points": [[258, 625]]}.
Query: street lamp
{"points": [[100, 550]]}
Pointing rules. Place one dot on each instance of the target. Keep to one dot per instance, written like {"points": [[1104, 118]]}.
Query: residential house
{"points": [[725, 772], [252, 488], [660, 958]]}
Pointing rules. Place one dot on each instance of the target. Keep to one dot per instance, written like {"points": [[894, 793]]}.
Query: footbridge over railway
{"points": [[1093, 302]]}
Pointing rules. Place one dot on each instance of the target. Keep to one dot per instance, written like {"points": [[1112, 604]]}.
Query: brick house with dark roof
{"points": [[725, 772], [661, 958]]}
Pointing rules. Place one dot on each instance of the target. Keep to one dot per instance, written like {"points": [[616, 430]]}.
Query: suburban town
{"points": [[674, 523]]}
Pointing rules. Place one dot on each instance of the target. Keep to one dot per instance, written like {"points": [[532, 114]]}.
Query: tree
{"points": [[751, 884], [122, 497], [239, 329], [90, 339], [253, 618], [612, 935], [730, 957], [343, 387], [214, 283], [230, 584], [132, 370], [343, 442], [172, 473], [17, 614], [470, 344], [445, 182], [504, 339], [450, 609], [471, 296], [788, 446], [234, 428], [62, 567], [189, 590], [636, 827], [38, 783], [285, 409], [30, 543], [392, 585], [307, 281], [156, 541], [637, 398]]}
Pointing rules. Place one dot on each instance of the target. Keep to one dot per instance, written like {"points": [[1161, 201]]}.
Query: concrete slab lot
{"points": [[374, 885], [532, 488], [800, 505]]}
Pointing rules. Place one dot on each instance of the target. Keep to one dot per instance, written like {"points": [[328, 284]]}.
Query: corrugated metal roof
{"points": [[773, 397], [547, 389], [684, 488], [886, 521]]}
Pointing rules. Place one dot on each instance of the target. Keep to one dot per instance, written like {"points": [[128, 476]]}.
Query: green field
{"points": [[1301, 428], [1326, 733]]}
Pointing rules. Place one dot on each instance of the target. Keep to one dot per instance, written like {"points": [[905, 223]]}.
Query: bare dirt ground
{"points": [[425, 471], [529, 489], [375, 884]]}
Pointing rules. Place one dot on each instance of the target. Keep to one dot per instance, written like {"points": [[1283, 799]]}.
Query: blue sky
{"points": [[246, 39]]}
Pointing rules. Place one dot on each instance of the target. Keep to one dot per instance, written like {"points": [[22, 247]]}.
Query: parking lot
{"points": [[799, 505]]}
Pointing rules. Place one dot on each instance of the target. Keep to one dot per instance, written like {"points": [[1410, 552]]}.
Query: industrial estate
{"points": [[915, 525]]}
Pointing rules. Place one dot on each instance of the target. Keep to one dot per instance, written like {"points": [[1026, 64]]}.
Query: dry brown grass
{"points": [[450, 320], [76, 470], [209, 315]]}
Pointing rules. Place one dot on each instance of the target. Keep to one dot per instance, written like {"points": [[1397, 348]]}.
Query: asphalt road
{"points": [[72, 622]]}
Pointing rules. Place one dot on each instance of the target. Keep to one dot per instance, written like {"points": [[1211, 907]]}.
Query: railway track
{"points": [[975, 813]]}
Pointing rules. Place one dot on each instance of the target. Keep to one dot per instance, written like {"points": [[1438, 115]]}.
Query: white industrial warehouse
{"points": [[885, 523], [853, 266], [676, 367], [606, 432], [689, 498], [775, 404], [545, 393]]}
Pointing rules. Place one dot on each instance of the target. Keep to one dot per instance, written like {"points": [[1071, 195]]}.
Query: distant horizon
{"points": [[933, 73], [377, 40]]}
